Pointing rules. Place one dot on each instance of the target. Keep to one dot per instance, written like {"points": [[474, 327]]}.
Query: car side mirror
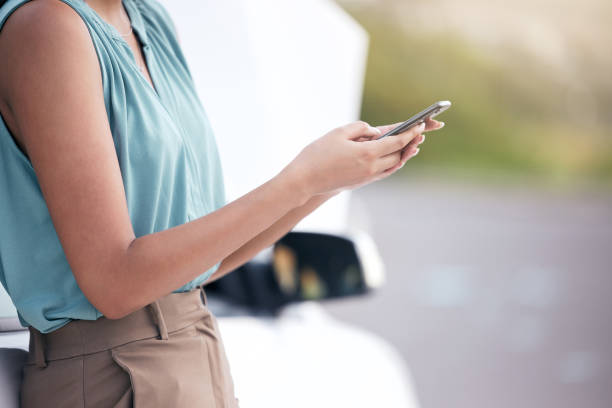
{"points": [[315, 266], [303, 266]]}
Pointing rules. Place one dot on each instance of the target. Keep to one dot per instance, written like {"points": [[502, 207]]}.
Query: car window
{"points": [[6, 305]]}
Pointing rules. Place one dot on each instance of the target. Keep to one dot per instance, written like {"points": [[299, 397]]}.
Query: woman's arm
{"points": [[268, 237], [288, 221], [51, 83]]}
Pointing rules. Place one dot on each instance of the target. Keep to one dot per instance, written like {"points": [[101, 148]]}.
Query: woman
{"points": [[113, 211]]}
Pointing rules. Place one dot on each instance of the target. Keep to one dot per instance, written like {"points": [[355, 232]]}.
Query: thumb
{"points": [[359, 130], [386, 128]]}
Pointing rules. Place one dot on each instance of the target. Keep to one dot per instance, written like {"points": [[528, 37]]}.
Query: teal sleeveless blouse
{"points": [[166, 150]]}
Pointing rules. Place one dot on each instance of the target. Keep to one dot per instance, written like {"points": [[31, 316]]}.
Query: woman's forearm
{"points": [[268, 237], [157, 263]]}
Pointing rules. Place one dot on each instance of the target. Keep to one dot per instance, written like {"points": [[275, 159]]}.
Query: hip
{"points": [[169, 353]]}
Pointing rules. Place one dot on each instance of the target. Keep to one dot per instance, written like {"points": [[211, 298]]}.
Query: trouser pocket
{"points": [[168, 373]]}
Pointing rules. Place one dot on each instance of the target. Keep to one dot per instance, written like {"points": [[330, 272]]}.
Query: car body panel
{"points": [[305, 358], [273, 75]]}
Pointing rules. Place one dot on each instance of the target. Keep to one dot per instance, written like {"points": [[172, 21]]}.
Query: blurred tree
{"points": [[512, 114]]}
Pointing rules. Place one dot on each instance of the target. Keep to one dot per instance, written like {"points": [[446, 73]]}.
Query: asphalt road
{"points": [[496, 296]]}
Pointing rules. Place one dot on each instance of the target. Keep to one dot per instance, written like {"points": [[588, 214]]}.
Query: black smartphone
{"points": [[419, 118]]}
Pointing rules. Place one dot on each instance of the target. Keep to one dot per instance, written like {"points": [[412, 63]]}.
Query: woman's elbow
{"points": [[112, 308], [109, 299], [105, 287], [113, 312]]}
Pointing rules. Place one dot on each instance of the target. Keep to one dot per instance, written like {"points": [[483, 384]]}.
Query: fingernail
{"points": [[416, 151], [422, 139], [441, 125]]}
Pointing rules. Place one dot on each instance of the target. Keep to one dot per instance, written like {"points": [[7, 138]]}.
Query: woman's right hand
{"points": [[347, 157]]}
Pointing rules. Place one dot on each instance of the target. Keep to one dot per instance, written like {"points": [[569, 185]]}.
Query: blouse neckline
{"points": [[135, 19]]}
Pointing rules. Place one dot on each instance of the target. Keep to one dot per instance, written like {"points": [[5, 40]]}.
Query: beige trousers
{"points": [[168, 354]]}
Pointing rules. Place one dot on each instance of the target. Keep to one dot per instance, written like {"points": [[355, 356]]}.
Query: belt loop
{"points": [[203, 295], [159, 320], [39, 347]]}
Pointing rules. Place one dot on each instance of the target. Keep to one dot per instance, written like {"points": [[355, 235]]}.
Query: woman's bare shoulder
{"points": [[43, 44], [40, 35], [43, 19]]}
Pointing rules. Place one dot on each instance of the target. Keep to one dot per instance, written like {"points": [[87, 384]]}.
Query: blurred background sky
{"points": [[497, 237]]}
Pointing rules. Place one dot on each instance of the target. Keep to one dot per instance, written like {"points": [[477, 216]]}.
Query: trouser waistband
{"points": [[158, 319]]}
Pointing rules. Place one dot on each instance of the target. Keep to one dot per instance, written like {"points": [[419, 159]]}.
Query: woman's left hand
{"points": [[412, 148]]}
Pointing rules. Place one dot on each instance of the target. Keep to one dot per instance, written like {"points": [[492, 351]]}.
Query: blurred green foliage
{"points": [[507, 118]]}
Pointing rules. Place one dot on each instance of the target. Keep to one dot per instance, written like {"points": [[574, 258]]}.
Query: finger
{"points": [[392, 144], [362, 139], [415, 142], [407, 153], [388, 161], [386, 128], [411, 154], [357, 130], [432, 124], [390, 170], [405, 156]]}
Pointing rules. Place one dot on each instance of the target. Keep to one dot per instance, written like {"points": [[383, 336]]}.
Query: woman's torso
{"points": [[166, 151]]}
